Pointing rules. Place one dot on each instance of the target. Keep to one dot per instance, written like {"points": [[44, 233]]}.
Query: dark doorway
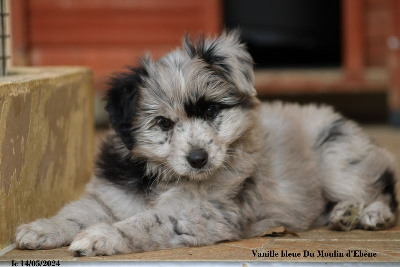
{"points": [[288, 33]]}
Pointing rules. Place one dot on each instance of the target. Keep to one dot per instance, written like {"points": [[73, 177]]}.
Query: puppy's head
{"points": [[183, 112]]}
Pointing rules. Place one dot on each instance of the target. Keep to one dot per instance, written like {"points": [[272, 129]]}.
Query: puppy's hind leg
{"points": [[379, 213], [377, 209], [376, 206], [382, 212], [358, 176]]}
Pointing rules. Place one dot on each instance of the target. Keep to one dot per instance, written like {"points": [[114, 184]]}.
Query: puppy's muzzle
{"points": [[197, 158]]}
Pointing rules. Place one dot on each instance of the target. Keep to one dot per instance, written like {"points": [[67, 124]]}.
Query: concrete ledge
{"points": [[46, 142]]}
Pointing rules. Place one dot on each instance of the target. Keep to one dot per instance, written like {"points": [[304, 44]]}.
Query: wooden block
{"points": [[46, 142]]}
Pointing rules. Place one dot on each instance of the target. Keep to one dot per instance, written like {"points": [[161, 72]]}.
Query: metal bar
{"points": [[3, 39]]}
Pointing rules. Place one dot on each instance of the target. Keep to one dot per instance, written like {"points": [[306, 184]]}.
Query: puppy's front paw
{"points": [[40, 234], [346, 215], [100, 239]]}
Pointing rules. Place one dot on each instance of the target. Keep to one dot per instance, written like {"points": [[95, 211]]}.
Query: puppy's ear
{"points": [[227, 56], [121, 103]]}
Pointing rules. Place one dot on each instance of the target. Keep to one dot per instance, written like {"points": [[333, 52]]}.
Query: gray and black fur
{"points": [[193, 158]]}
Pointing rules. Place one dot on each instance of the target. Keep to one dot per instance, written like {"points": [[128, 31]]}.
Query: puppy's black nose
{"points": [[197, 158]]}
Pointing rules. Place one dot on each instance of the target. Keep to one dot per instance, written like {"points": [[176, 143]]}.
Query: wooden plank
{"points": [[113, 28], [114, 4], [269, 82], [128, 36], [353, 46], [394, 65], [101, 25], [378, 27], [102, 60], [19, 32], [106, 35], [213, 16], [94, 57]]}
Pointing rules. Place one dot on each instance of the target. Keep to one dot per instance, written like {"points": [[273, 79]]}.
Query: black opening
{"points": [[288, 33]]}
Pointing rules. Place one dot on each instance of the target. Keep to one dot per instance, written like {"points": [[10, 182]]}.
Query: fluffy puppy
{"points": [[194, 158]]}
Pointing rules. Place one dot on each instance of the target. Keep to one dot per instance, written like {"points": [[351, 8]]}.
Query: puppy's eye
{"points": [[165, 124], [211, 112]]}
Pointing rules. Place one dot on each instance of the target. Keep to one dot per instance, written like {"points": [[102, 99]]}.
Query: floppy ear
{"points": [[121, 103], [227, 56]]}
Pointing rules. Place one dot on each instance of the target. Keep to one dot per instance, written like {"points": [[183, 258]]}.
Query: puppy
{"points": [[193, 158]]}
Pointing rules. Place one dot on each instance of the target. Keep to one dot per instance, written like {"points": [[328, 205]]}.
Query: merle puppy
{"points": [[193, 158]]}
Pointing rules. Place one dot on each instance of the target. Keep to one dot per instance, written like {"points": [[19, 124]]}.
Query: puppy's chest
{"points": [[233, 190], [182, 193]]}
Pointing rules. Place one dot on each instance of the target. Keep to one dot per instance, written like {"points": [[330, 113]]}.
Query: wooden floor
{"points": [[365, 246]]}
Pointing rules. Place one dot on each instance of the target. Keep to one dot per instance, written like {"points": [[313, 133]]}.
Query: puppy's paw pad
{"points": [[377, 216], [40, 234], [345, 216], [99, 239]]}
